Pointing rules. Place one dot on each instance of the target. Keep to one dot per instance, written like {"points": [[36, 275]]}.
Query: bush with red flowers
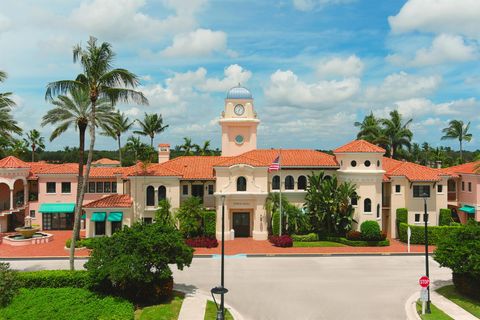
{"points": [[354, 235], [281, 241], [202, 242]]}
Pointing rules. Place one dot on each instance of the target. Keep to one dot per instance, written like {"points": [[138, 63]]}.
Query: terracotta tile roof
{"points": [[106, 161], [164, 144], [359, 146], [72, 168], [293, 157], [111, 201], [12, 162], [466, 168], [241, 159], [155, 169], [412, 171], [194, 167]]}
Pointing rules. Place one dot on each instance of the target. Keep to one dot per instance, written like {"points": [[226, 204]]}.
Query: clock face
{"points": [[239, 109], [239, 139]]}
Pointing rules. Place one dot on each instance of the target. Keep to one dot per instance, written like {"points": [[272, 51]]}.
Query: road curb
{"points": [[42, 258], [411, 307]]}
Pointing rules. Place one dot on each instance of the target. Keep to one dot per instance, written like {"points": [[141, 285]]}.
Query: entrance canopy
{"points": [[57, 208], [468, 209], [115, 216], [99, 216]]}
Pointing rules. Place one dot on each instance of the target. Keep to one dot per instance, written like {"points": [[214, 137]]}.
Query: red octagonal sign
{"points": [[424, 281]]}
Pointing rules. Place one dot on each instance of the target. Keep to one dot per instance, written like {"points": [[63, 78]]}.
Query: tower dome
{"points": [[239, 92]]}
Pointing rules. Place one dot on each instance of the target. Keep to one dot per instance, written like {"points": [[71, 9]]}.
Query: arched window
{"points": [[241, 184], [276, 183], [150, 196], [378, 211], [289, 183], [354, 199], [162, 193], [367, 205], [302, 183]]}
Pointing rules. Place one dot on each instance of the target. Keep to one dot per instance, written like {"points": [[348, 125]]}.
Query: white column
{"points": [[25, 194], [11, 199]]}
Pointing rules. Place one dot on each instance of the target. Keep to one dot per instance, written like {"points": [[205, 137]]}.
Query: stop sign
{"points": [[424, 281]]}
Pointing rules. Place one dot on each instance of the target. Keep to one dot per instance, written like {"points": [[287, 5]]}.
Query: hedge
{"points": [[370, 231], [276, 223], [418, 233], [305, 237], [81, 243], [402, 215], [361, 243], [284, 241], [445, 218], [54, 279], [210, 218]]}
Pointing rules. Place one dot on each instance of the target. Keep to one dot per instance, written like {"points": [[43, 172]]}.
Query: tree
{"points": [[134, 262], [151, 125], [163, 214], [101, 81], [7, 124], [370, 129], [35, 141], [187, 146], [272, 206], [203, 150], [136, 146], [457, 130], [396, 132], [297, 220], [117, 126], [190, 217], [18, 148]]}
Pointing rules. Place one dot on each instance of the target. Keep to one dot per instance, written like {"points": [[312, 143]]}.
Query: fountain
{"points": [[27, 235]]}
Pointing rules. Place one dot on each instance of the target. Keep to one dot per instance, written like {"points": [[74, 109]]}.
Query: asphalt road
{"points": [[361, 287]]}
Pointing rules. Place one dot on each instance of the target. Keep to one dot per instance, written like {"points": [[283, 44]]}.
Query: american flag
{"points": [[275, 166]]}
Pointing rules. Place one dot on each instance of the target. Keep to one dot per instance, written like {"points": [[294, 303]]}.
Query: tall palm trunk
{"points": [[119, 149], [78, 209], [461, 150], [151, 141], [33, 152]]}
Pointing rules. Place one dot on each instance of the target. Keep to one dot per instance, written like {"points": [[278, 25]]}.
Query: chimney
{"points": [[163, 152], [439, 164]]}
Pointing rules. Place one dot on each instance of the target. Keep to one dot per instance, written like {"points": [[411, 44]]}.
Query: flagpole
{"points": [[280, 169]]}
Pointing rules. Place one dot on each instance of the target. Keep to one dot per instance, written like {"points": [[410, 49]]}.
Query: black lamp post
{"points": [[221, 290], [425, 220]]}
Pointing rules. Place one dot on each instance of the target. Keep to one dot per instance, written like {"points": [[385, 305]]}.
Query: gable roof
{"points": [[412, 171], [194, 167], [357, 146], [12, 162], [111, 201], [466, 168]]}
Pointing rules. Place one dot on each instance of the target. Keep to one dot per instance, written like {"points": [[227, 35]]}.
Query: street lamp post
{"points": [[425, 220], [221, 290]]}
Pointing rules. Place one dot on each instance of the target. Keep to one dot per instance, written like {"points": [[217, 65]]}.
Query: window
{"points": [[302, 183], [91, 187], [276, 183], [469, 187], [439, 188], [354, 199], [378, 211], [99, 187], [147, 220], [150, 196], [100, 228], [185, 190], [241, 184], [51, 187], [397, 188], [417, 217], [107, 187], [210, 189], [452, 186], [378, 163], [114, 187], [421, 191], [162, 193], [66, 187], [289, 183], [116, 226], [367, 205], [367, 163], [353, 163], [32, 213], [463, 185]]}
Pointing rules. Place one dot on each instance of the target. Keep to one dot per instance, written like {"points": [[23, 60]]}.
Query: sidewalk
{"points": [[450, 308], [193, 307]]}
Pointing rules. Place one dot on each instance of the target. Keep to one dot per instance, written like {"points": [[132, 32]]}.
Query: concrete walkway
{"points": [[450, 308], [193, 307]]}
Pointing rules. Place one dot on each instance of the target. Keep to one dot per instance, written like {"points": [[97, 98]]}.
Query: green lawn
{"points": [[468, 304], [317, 244], [436, 314], [164, 311], [211, 312]]}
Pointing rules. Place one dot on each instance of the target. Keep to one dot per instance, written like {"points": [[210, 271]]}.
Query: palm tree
{"points": [[35, 141], [100, 80], [120, 124], [370, 129], [7, 124], [187, 146], [18, 148], [203, 150], [457, 130], [396, 132], [135, 146], [151, 125]]}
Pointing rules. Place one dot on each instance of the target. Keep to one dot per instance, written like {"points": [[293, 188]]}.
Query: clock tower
{"points": [[239, 122]]}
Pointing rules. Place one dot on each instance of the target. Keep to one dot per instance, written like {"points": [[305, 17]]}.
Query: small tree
{"points": [[190, 217], [9, 284], [134, 263], [163, 214]]}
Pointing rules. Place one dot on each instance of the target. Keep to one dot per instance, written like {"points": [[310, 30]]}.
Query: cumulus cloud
{"points": [[307, 5], [351, 66], [198, 43], [438, 16], [417, 107], [402, 85], [285, 87]]}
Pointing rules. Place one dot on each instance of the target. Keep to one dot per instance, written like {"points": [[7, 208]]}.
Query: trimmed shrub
{"points": [[418, 233], [281, 241], [54, 279], [370, 231], [202, 242], [82, 243], [402, 215], [210, 222], [354, 235], [360, 243], [9, 284], [445, 217], [305, 237], [467, 285], [276, 223]]}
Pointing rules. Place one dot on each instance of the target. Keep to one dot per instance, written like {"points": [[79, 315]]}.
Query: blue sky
{"points": [[314, 66]]}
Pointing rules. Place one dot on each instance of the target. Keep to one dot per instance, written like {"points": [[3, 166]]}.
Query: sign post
{"points": [[424, 282], [409, 234]]}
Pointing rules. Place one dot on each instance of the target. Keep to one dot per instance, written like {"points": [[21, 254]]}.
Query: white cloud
{"points": [[198, 43], [348, 67], [234, 74], [402, 85], [5, 23], [285, 87], [433, 122], [438, 16], [307, 5]]}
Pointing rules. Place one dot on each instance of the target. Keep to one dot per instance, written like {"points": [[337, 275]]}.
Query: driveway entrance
{"points": [[241, 224]]}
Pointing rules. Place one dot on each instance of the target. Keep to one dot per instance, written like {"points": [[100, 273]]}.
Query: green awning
{"points": [[57, 208], [99, 216], [468, 209], [115, 216], [84, 216]]}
